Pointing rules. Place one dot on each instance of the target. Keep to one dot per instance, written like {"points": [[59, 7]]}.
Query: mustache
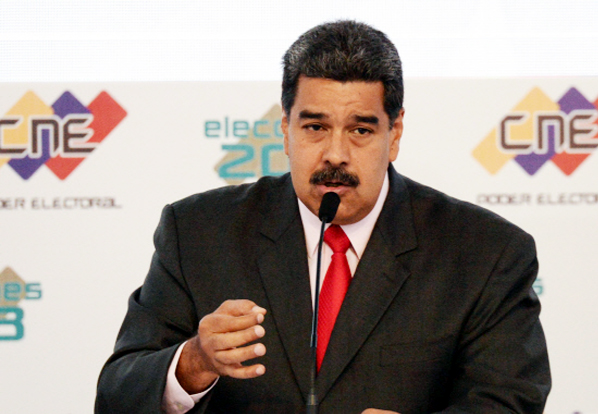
{"points": [[334, 174]]}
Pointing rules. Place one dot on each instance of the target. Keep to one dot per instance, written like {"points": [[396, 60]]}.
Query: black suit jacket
{"points": [[440, 315]]}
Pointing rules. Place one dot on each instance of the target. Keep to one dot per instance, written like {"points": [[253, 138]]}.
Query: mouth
{"points": [[342, 188], [330, 184]]}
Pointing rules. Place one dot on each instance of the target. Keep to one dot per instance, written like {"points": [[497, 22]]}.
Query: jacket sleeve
{"points": [[161, 315], [502, 361]]}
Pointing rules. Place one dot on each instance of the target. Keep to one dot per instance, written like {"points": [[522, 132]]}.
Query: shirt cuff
{"points": [[175, 399]]}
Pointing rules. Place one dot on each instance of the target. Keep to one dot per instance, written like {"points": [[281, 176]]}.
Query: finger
{"points": [[229, 340], [237, 356], [239, 307], [219, 323], [243, 372]]}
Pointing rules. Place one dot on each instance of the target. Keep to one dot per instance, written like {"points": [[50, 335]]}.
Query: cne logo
{"points": [[60, 136], [539, 130]]}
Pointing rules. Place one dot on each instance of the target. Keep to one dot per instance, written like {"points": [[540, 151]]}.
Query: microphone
{"points": [[328, 208]]}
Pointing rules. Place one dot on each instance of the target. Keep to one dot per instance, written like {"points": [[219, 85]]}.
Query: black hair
{"points": [[344, 51]]}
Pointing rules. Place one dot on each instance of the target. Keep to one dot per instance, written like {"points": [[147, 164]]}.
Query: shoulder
{"points": [[458, 220], [228, 199]]}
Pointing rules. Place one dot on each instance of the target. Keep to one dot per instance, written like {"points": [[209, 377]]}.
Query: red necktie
{"points": [[336, 283]]}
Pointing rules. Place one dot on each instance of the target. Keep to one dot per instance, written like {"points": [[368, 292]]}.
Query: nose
{"points": [[337, 149]]}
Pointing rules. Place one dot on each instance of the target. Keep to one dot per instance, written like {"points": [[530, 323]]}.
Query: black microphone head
{"points": [[330, 203]]}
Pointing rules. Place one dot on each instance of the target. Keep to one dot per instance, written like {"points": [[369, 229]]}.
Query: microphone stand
{"points": [[328, 208], [312, 398]]}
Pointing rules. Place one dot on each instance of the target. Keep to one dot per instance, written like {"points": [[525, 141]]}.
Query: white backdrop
{"points": [[223, 40], [468, 63], [87, 256]]}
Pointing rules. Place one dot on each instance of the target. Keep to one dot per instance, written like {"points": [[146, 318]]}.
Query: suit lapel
{"points": [[283, 269], [380, 274]]}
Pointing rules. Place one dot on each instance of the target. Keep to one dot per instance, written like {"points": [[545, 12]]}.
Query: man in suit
{"points": [[438, 316]]}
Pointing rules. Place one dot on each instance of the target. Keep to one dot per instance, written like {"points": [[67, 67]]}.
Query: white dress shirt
{"points": [[175, 399], [358, 233]]}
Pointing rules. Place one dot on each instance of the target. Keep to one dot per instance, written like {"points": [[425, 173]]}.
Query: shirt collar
{"points": [[358, 233]]}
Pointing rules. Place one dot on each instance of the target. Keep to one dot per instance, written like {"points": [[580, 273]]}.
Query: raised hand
{"points": [[219, 348]]}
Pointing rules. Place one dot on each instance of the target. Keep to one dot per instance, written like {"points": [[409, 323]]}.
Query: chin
{"points": [[341, 218]]}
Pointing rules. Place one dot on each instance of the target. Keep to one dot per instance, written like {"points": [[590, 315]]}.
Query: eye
{"points": [[313, 127], [362, 131]]}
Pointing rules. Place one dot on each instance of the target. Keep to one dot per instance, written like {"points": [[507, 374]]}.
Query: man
{"points": [[438, 315]]}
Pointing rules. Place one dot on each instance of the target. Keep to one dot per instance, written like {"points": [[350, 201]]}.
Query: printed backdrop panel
{"points": [[85, 170]]}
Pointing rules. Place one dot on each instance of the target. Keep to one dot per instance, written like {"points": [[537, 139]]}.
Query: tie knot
{"points": [[336, 238]]}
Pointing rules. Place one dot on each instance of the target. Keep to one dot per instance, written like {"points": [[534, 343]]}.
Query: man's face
{"points": [[338, 138]]}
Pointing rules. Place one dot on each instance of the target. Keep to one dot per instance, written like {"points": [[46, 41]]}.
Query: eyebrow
{"points": [[367, 119], [305, 114]]}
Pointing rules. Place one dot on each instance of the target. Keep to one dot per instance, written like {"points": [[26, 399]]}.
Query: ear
{"points": [[284, 125], [396, 133]]}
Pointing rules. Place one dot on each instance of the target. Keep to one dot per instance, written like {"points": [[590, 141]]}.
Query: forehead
{"points": [[335, 98]]}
